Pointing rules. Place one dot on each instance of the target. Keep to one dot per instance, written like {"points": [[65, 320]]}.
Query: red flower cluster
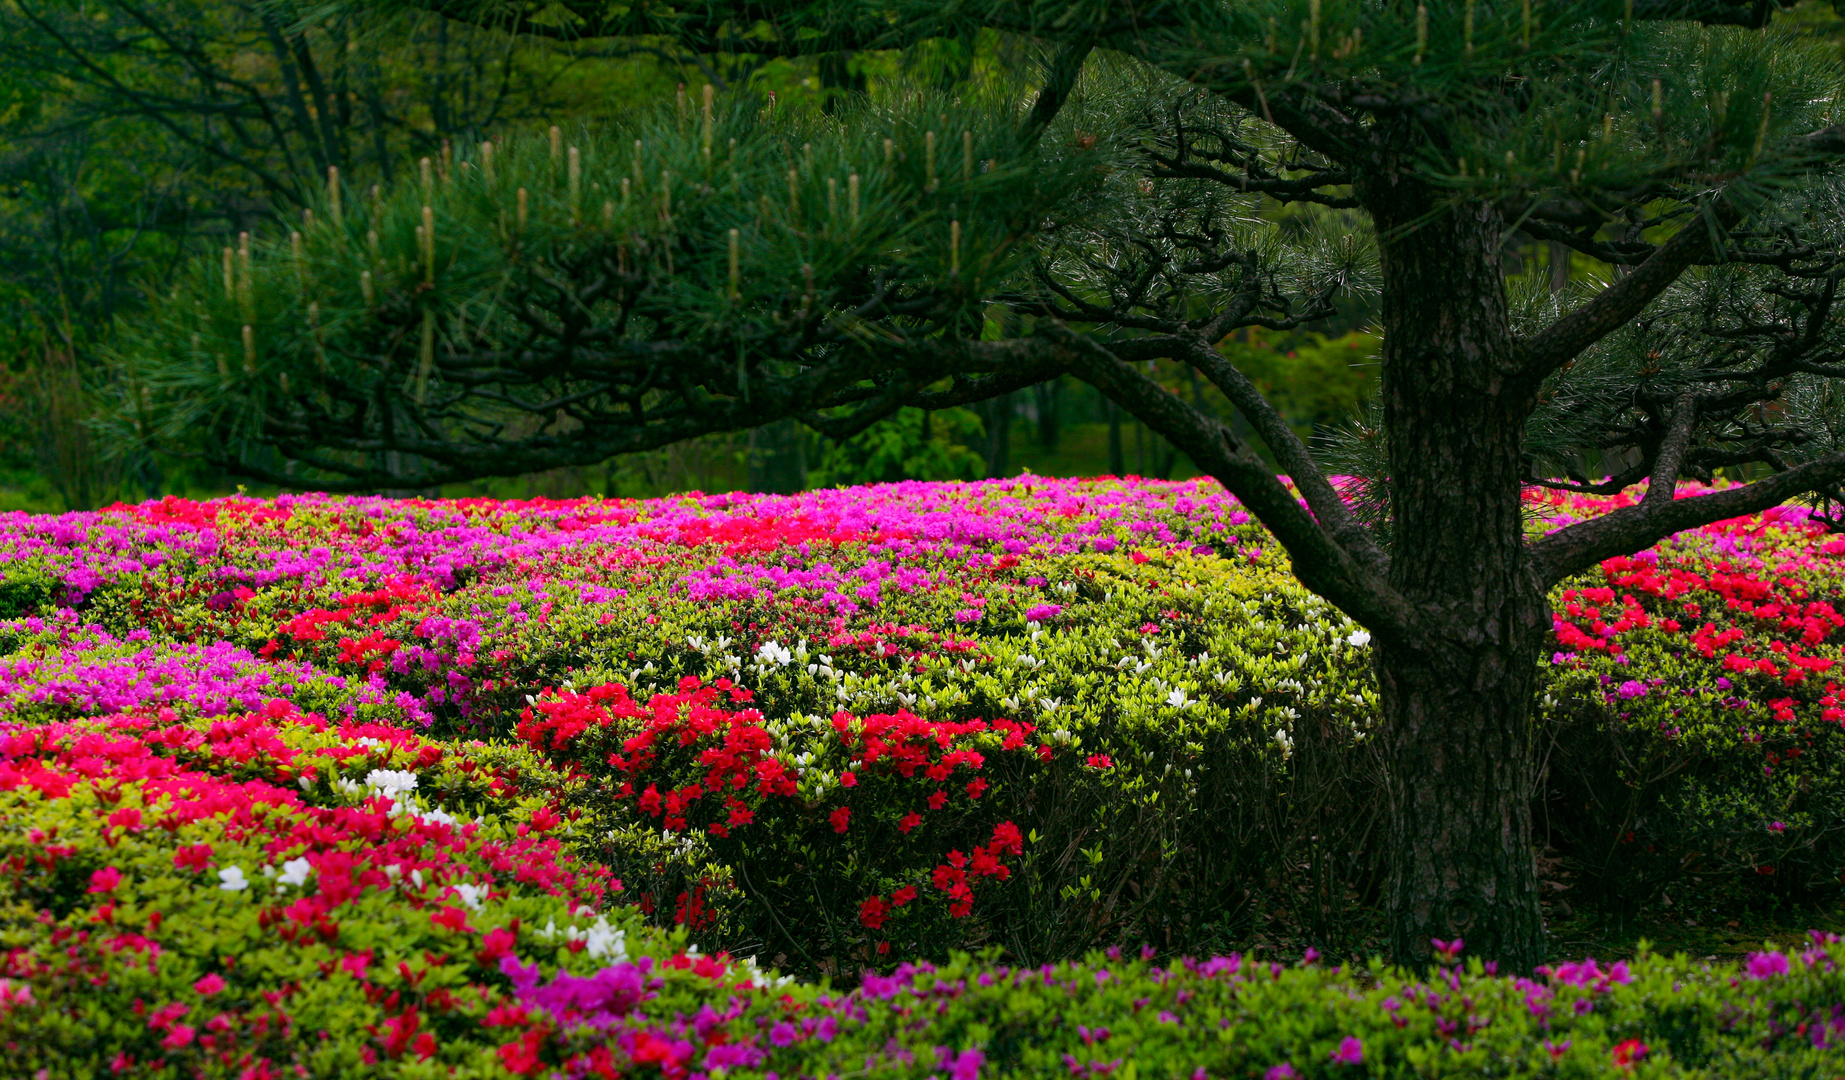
{"points": [[951, 876], [360, 609], [1777, 605], [726, 771], [554, 723]]}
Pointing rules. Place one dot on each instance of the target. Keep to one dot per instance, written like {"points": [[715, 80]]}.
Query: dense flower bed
{"points": [[256, 742], [268, 894]]}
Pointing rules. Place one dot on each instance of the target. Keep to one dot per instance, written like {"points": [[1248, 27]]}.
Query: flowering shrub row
{"points": [[267, 894]]}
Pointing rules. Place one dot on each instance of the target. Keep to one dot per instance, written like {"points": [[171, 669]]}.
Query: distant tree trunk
{"points": [[1047, 397], [1198, 393], [1559, 266], [999, 435], [1117, 461], [837, 79], [58, 408], [778, 463], [1457, 703], [1165, 456]]}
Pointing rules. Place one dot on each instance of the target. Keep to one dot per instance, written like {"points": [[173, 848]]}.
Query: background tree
{"points": [[720, 265], [137, 133]]}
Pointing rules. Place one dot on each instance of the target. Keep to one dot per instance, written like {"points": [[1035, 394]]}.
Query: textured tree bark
{"points": [[1457, 701]]}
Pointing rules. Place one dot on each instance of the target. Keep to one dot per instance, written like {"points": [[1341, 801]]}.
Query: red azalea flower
{"points": [[453, 919], [1626, 1053], [521, 1058], [209, 985], [194, 857]]}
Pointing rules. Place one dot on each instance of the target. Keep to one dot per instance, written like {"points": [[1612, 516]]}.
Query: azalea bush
{"points": [[266, 893], [849, 727]]}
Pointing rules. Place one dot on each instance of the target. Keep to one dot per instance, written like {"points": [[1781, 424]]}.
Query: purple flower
{"points": [[1765, 965], [736, 1055], [1283, 1071], [1350, 1052], [1043, 612], [601, 1000], [783, 1034], [962, 1066]]}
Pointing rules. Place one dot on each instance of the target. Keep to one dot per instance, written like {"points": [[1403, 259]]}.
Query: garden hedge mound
{"points": [[266, 894], [840, 730]]}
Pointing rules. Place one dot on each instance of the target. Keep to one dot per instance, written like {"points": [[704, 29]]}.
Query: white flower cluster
{"points": [[600, 940]]}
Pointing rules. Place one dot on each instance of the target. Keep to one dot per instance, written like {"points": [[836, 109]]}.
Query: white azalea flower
{"points": [[603, 941], [295, 872], [231, 879], [1358, 639], [391, 783]]}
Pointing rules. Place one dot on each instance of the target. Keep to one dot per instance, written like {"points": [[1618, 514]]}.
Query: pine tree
{"points": [[719, 264]]}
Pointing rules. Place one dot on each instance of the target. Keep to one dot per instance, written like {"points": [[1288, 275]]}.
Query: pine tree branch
{"points": [[1060, 80], [1291, 454], [1578, 547], [1671, 455], [1320, 562], [1751, 14], [709, 26], [1612, 308]]}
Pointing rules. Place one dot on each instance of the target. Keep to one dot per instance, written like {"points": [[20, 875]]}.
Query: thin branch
{"points": [[1060, 80]]}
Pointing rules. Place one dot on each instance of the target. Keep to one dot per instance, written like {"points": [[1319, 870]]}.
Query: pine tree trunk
{"points": [[1457, 703]]}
